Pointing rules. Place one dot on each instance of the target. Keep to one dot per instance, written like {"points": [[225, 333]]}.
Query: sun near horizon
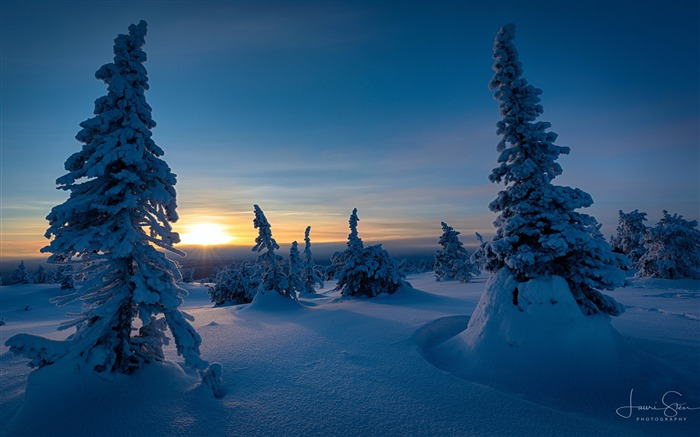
{"points": [[206, 234]]}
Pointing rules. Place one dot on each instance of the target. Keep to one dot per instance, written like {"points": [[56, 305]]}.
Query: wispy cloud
{"points": [[223, 27]]}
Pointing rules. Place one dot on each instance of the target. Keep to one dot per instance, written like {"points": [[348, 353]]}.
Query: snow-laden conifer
{"points": [[479, 258], [367, 271], [270, 274], [672, 249], [39, 276], [309, 275], [539, 233], [452, 259], [65, 276], [187, 274], [20, 275], [122, 201], [354, 246], [629, 238], [296, 264]]}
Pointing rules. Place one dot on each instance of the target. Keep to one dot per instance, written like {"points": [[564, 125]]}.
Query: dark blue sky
{"points": [[310, 109]]}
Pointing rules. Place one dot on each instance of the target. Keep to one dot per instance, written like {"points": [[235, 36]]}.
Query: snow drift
{"points": [[532, 338]]}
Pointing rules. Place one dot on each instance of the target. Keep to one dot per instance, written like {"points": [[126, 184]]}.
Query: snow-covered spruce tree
{"points": [[122, 201], [452, 260], [478, 258], [270, 273], [234, 285], [65, 277], [354, 246], [426, 265], [539, 233], [672, 249], [187, 274], [296, 264], [40, 275], [309, 275], [21, 275], [629, 238], [368, 270]]}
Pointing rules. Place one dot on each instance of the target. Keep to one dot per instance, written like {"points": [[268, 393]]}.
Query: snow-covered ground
{"points": [[354, 366]]}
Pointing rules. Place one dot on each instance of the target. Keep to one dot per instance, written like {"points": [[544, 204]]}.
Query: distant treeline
{"points": [[194, 269]]}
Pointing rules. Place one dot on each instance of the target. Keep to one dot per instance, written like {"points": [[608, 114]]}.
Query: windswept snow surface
{"points": [[333, 365]]}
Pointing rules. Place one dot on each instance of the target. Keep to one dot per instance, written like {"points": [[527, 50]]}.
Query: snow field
{"points": [[332, 365]]}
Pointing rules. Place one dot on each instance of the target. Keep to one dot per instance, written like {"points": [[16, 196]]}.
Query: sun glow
{"points": [[206, 234]]}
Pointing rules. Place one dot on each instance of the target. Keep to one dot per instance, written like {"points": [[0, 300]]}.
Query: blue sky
{"points": [[310, 109]]}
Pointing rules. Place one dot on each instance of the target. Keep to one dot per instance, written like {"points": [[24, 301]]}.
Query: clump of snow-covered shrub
{"points": [[234, 285]]}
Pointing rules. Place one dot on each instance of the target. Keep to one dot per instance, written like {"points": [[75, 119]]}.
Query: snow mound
{"points": [[538, 317], [273, 302], [531, 338], [61, 400]]}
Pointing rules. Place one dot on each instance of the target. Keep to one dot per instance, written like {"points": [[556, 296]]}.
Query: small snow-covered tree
{"points": [[234, 285], [309, 275], [629, 238], [296, 264], [452, 260], [122, 201], [187, 274], [65, 277], [270, 274], [51, 276], [539, 233], [672, 249], [426, 265], [21, 275], [368, 270], [478, 258], [40, 275]]}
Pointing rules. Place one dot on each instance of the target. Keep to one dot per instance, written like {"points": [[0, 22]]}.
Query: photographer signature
{"points": [[669, 407]]}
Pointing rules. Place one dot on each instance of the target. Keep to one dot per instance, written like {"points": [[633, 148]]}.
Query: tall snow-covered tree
{"points": [[367, 271], [309, 274], [672, 249], [271, 274], [21, 275], [629, 238], [452, 259], [120, 209], [354, 245], [539, 233]]}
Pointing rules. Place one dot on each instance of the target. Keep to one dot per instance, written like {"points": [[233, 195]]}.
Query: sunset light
{"points": [[206, 234], [477, 218]]}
